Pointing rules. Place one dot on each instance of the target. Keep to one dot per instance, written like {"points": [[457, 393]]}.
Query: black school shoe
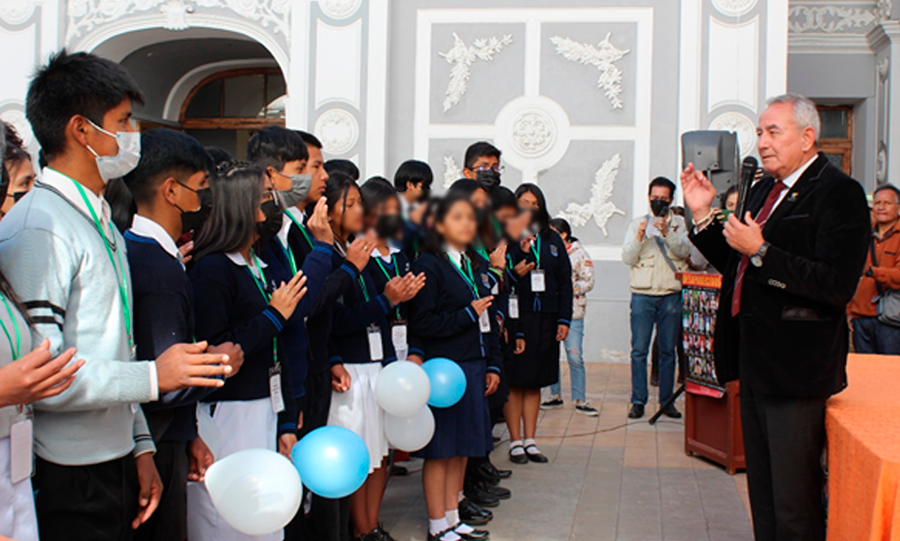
{"points": [[378, 534], [517, 459], [636, 411], [472, 514], [483, 473], [495, 490], [477, 493], [535, 455], [502, 474], [474, 535]]}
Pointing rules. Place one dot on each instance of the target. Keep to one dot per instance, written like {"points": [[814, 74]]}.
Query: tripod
{"points": [[669, 402]]}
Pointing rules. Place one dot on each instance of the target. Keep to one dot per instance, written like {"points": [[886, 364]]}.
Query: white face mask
{"points": [[125, 160]]}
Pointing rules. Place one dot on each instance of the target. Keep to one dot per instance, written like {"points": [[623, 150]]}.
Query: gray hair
{"points": [[805, 113]]}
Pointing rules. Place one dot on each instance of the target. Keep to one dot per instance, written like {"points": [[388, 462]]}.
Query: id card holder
{"points": [[376, 350], [538, 284], [484, 321], [513, 307], [495, 289], [21, 448], [275, 394], [399, 338]]}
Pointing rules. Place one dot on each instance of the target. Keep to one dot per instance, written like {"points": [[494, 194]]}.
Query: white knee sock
{"points": [[515, 448]]}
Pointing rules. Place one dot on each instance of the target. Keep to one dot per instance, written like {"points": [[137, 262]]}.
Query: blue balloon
{"points": [[448, 382], [333, 461]]}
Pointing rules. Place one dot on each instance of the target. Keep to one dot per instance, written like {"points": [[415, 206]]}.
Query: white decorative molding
{"points": [[600, 207], [17, 118], [338, 46], [836, 18], [881, 163], [604, 57], [85, 16], [338, 131], [339, 9], [533, 133], [821, 43], [884, 68], [734, 8], [740, 124], [461, 58], [15, 12], [452, 172], [733, 76]]}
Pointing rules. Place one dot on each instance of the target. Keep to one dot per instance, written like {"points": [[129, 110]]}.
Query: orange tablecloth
{"points": [[863, 425]]}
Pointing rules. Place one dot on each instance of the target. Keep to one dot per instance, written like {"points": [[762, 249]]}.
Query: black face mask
{"points": [[487, 179], [17, 196], [192, 220], [388, 225], [423, 197], [659, 207], [272, 225]]}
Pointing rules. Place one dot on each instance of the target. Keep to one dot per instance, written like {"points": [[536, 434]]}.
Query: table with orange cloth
{"points": [[863, 427]]}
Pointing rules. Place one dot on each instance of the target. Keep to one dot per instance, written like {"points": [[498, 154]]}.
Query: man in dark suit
{"points": [[789, 270]]}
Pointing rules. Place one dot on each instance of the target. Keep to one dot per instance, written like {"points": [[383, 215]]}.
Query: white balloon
{"points": [[410, 433], [402, 388], [256, 491]]}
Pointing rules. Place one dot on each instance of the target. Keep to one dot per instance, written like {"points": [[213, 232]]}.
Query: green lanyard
{"points": [[17, 348], [484, 253], [387, 274], [362, 286], [537, 253], [119, 269], [467, 275], [290, 255], [302, 230], [265, 296]]}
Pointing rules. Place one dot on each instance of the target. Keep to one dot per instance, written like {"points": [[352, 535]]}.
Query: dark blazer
{"points": [[791, 337]]}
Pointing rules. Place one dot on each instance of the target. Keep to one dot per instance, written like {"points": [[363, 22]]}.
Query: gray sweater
{"points": [[55, 259]]}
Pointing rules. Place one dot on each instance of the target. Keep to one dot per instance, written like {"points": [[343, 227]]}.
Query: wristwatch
{"points": [[757, 258]]}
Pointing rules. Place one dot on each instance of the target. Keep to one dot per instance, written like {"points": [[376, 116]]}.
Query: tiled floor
{"points": [[604, 482]]}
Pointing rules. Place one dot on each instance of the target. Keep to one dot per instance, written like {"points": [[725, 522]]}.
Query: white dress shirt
{"points": [[145, 227], [791, 179]]}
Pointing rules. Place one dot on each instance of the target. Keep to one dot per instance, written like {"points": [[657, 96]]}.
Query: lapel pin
{"points": [[792, 197]]}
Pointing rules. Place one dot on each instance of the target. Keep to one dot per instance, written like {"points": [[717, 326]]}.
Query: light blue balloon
{"points": [[333, 461], [448, 382]]}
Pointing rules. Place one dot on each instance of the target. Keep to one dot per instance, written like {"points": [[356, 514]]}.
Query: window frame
{"points": [[222, 123], [841, 146]]}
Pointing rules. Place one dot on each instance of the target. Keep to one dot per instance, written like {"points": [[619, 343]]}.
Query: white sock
{"points": [[528, 443], [459, 498], [458, 527], [436, 526], [515, 448]]}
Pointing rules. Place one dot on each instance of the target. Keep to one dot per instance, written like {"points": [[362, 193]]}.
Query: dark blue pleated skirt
{"points": [[464, 429]]}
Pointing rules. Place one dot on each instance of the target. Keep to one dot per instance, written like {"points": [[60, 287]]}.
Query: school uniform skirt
{"points": [[463, 429], [248, 424], [17, 516], [358, 410], [538, 365]]}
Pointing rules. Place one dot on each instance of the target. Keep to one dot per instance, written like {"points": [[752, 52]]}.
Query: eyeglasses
{"points": [[498, 169]]}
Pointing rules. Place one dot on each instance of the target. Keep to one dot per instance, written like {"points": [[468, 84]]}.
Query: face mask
{"points": [[269, 228], [125, 160], [659, 207], [487, 179], [17, 196], [388, 225], [192, 220], [424, 195], [296, 194]]}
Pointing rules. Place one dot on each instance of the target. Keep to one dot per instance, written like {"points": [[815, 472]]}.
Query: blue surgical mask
{"points": [[125, 160]]}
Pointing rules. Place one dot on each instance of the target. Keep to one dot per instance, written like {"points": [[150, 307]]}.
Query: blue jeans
{"points": [[873, 336], [663, 312], [574, 351]]}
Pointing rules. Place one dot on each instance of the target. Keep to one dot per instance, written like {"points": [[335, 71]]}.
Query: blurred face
{"points": [[315, 167], [528, 201], [731, 202], [21, 180], [505, 214], [459, 226], [348, 218], [388, 208], [480, 198], [415, 192], [885, 207], [782, 145]]}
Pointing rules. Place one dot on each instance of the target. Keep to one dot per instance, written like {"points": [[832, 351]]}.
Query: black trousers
{"points": [[169, 522], [783, 441], [89, 503]]}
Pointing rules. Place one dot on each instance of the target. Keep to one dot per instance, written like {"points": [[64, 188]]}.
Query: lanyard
{"points": [[387, 274], [17, 348], [467, 275], [260, 285], [481, 250], [119, 269], [537, 252], [301, 228], [362, 286], [286, 247]]}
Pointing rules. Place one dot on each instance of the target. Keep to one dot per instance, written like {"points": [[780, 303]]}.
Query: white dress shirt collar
{"points": [[145, 227], [792, 179], [239, 260], [386, 257], [455, 256], [66, 186], [285, 229]]}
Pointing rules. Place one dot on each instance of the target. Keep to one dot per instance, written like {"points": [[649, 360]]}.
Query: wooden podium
{"points": [[712, 410]]}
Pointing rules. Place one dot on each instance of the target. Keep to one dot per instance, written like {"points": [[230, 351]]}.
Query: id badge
{"points": [[538, 284], [376, 350], [21, 449], [513, 307], [484, 322], [398, 338], [495, 290], [275, 394]]}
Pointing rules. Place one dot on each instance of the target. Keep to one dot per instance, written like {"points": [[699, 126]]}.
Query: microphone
{"points": [[748, 172]]}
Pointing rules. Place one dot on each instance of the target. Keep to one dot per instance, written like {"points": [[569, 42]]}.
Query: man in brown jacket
{"points": [[882, 274]]}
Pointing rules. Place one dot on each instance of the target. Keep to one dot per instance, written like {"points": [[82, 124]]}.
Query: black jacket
{"points": [[791, 337], [554, 261]]}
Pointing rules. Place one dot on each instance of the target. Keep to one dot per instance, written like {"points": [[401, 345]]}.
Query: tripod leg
{"points": [[668, 403]]}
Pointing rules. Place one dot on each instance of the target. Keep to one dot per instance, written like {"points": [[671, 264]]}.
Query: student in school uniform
{"points": [[451, 317], [239, 298], [545, 305], [170, 187], [361, 344]]}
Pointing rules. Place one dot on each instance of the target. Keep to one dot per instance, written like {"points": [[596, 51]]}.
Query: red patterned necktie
{"points": [[761, 218]]}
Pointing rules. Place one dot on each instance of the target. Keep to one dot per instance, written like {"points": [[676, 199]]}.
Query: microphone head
{"points": [[750, 162]]}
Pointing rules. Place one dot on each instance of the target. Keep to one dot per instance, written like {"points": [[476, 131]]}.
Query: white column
{"points": [[297, 109], [884, 41]]}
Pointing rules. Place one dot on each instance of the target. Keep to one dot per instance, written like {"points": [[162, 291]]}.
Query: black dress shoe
{"points": [[440, 536], [502, 474], [636, 411], [496, 490], [535, 455], [484, 472], [480, 496], [474, 535], [472, 514], [672, 412], [380, 535], [517, 459]]}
